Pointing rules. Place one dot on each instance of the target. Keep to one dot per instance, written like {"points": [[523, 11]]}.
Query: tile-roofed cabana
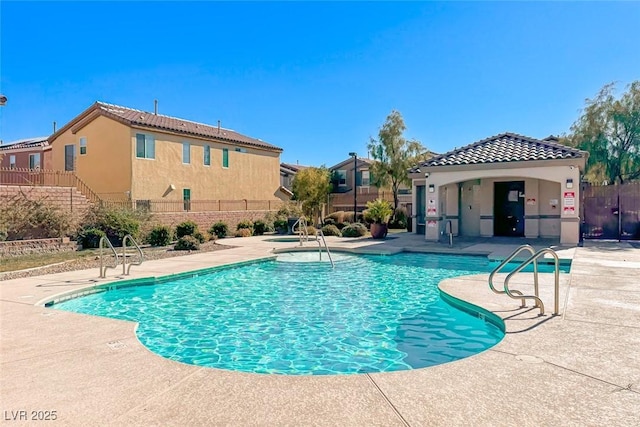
{"points": [[505, 185], [506, 147]]}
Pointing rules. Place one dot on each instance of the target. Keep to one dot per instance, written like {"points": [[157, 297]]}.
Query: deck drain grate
{"points": [[116, 345]]}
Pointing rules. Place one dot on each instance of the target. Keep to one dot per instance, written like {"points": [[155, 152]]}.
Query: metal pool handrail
{"points": [[302, 221], [506, 261], [124, 254], [103, 268], [536, 297], [324, 242]]}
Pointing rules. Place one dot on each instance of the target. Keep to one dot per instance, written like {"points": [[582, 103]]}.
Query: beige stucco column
{"points": [[570, 202]]}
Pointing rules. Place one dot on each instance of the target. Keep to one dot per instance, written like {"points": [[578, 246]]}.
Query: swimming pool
{"points": [[369, 314]]}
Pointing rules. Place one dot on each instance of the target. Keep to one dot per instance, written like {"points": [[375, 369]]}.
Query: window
{"points": [[70, 157], [365, 181], [186, 198], [225, 157], [241, 150], [83, 145], [186, 152], [12, 161], [34, 161], [145, 146], [342, 178], [207, 155]]}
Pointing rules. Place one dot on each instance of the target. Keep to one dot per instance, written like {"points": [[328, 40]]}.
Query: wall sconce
{"points": [[172, 187], [432, 188], [569, 183], [426, 175]]}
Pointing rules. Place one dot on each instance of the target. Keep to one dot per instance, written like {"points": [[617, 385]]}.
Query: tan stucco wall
{"points": [[254, 175], [543, 181], [106, 168]]}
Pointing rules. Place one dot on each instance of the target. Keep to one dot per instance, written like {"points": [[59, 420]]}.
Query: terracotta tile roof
{"points": [[41, 141], [291, 167], [140, 118], [506, 147]]}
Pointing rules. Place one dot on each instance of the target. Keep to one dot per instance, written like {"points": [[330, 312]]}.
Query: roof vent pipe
{"points": [[155, 107], [218, 126], [54, 127]]}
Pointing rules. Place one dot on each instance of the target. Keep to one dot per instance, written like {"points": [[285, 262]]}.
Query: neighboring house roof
{"points": [[349, 162], [291, 168], [143, 119], [506, 147], [286, 191], [40, 141]]}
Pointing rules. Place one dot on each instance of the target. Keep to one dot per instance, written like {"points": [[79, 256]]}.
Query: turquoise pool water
{"points": [[292, 316]]}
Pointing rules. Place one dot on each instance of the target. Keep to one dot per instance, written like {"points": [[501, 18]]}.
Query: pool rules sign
{"points": [[569, 203]]}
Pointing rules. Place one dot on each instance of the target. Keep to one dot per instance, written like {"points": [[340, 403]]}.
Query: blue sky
{"points": [[318, 79]]}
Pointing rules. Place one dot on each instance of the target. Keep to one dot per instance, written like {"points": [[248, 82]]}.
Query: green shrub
{"points": [[116, 222], [246, 224], [160, 235], [331, 230], [199, 236], [281, 226], [289, 210], [354, 230], [399, 220], [3, 235], [260, 227], [341, 225], [90, 238], [187, 243], [243, 232], [329, 221], [219, 229], [186, 228]]}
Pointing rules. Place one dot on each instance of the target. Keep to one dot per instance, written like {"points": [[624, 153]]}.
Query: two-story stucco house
{"points": [[123, 153]]}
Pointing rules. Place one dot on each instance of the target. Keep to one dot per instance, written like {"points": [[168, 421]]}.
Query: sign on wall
{"points": [[569, 202]]}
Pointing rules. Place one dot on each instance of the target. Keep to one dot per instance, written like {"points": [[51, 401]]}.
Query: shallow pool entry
{"points": [[296, 315]]}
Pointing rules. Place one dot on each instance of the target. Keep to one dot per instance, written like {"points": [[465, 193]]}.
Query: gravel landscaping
{"points": [[150, 253]]}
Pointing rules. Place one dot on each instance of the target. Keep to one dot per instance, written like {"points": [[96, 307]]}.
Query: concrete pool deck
{"points": [[579, 368]]}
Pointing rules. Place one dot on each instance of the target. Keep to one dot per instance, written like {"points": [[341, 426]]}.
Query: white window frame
{"points": [[12, 161], [186, 153], [363, 182], [83, 144], [206, 156], [32, 163], [149, 146]]}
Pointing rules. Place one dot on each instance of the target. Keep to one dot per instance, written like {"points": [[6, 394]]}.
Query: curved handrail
{"points": [[324, 242], [124, 254], [528, 261], [103, 268], [302, 221], [508, 260]]}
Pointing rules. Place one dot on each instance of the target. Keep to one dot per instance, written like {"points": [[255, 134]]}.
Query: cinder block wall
{"points": [[66, 198]]}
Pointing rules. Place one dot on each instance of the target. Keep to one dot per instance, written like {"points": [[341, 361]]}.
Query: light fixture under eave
{"points": [[569, 183]]}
